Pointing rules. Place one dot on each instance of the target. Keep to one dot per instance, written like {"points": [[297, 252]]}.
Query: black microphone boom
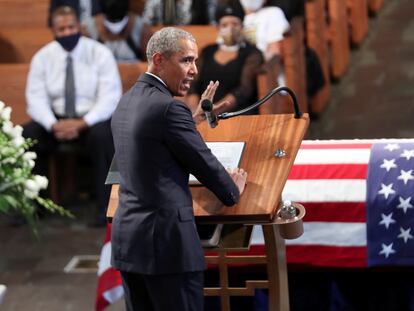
{"points": [[207, 107], [298, 114]]}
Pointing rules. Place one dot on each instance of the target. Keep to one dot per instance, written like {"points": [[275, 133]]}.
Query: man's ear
{"points": [[157, 59]]}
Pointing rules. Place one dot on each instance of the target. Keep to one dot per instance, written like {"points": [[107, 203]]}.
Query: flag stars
{"points": [[406, 176], [387, 250], [404, 204], [387, 220], [388, 164], [407, 154], [386, 190], [392, 147], [405, 234]]}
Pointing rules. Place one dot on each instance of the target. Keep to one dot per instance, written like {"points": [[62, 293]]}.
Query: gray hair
{"points": [[165, 41]]}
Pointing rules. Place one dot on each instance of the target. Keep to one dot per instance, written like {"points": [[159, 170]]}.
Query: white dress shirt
{"points": [[97, 83]]}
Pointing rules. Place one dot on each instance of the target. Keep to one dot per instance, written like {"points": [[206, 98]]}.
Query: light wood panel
{"points": [[263, 135]]}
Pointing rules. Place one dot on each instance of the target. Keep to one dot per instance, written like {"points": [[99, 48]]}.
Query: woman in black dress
{"points": [[232, 61]]}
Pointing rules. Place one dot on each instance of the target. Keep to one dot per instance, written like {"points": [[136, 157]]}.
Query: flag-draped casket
{"points": [[358, 197]]}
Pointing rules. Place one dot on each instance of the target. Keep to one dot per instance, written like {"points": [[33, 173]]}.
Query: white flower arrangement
{"points": [[19, 187]]}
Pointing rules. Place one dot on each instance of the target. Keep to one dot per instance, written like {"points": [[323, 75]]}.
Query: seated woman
{"points": [[123, 32], [232, 61]]}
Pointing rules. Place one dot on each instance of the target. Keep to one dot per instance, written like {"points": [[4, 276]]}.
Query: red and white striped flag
{"points": [[330, 179], [109, 287]]}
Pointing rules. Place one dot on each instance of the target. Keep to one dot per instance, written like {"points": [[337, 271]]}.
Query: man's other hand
{"points": [[239, 177]]}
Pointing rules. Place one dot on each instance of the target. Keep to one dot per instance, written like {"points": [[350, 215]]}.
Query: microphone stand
{"points": [[298, 114]]}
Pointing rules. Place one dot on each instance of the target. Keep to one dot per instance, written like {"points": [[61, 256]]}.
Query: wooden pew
{"points": [[23, 13], [130, 73], [13, 83], [358, 20], [375, 5], [295, 73], [338, 34], [13, 79], [317, 39], [294, 61], [19, 44]]}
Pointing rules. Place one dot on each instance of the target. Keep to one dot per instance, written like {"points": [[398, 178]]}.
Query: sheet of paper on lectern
{"points": [[228, 153]]}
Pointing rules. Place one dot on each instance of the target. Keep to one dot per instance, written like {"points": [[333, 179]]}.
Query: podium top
{"points": [[267, 174]]}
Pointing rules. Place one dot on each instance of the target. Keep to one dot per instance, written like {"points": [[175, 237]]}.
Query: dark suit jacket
{"points": [[157, 145]]}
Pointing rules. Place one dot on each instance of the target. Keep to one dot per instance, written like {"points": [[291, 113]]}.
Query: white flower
{"points": [[30, 194], [41, 181], [7, 127], [31, 185], [1, 105], [5, 113], [6, 151], [31, 163], [18, 141], [17, 131], [20, 151], [9, 160], [29, 155]]}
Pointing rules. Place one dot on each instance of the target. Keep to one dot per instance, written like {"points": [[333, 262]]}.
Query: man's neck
{"points": [[156, 77]]}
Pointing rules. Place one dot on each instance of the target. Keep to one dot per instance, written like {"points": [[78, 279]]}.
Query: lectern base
{"points": [[275, 261]]}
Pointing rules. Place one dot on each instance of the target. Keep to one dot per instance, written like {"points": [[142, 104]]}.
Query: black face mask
{"points": [[69, 42]]}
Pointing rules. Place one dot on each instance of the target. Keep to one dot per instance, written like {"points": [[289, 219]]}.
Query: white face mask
{"points": [[117, 27], [252, 5]]}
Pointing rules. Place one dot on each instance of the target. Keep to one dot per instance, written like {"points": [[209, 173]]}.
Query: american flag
{"points": [[109, 288], [390, 213], [357, 195]]}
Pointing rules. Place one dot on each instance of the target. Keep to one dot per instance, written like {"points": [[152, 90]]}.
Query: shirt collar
{"points": [[156, 77]]}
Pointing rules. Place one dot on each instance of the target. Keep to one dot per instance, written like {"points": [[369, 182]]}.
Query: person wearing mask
{"points": [[234, 62], [122, 31], [73, 87]]}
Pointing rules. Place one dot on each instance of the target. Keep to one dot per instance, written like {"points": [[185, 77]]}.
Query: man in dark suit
{"points": [[155, 244]]}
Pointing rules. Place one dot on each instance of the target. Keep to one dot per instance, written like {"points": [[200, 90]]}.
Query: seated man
{"points": [[72, 89], [233, 61]]}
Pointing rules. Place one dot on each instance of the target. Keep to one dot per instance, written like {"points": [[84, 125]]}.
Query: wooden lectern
{"points": [[264, 136]]}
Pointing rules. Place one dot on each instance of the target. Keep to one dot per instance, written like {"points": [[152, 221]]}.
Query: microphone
{"points": [[207, 107], [280, 89]]}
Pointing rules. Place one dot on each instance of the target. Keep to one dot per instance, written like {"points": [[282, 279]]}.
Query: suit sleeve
{"points": [[187, 145]]}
